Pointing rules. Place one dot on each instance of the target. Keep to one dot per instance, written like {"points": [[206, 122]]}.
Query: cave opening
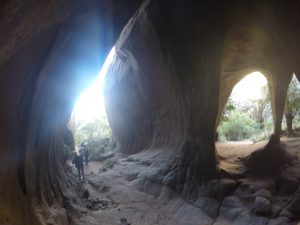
{"points": [[247, 115], [291, 118], [89, 124], [246, 123]]}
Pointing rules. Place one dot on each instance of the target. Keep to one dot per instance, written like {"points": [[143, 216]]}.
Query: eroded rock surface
{"points": [[144, 199]]}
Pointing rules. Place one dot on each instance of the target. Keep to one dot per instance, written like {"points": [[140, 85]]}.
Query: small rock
{"points": [[286, 213], [131, 176], [279, 221], [294, 205], [231, 202], [171, 179], [262, 206], [146, 162], [227, 186], [130, 159], [275, 211], [96, 204], [221, 188], [83, 211], [105, 156], [124, 221], [155, 177], [208, 205], [86, 194], [264, 193], [104, 189]]}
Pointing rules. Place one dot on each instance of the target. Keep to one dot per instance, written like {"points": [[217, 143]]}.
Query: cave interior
{"points": [[175, 66]]}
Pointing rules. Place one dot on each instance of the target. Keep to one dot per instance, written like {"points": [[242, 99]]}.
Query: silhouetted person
{"points": [[78, 161], [81, 150], [86, 155]]}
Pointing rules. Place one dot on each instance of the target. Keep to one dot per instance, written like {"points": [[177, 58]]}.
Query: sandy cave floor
{"points": [[122, 196]]}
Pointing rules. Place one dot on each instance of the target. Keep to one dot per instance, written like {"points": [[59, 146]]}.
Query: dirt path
{"points": [[230, 154], [126, 194], [93, 167]]}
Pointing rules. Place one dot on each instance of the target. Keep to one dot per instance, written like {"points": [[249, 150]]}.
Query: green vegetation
{"points": [[292, 106], [108, 163], [252, 120], [239, 128], [96, 134]]}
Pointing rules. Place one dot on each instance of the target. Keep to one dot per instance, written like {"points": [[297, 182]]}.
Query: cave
{"points": [[175, 65]]}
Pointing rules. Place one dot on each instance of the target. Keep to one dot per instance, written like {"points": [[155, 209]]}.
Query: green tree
{"points": [[260, 109], [239, 127], [292, 104], [228, 110], [92, 134], [248, 119]]}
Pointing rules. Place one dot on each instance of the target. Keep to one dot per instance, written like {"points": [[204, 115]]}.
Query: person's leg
{"points": [[83, 173], [78, 171]]}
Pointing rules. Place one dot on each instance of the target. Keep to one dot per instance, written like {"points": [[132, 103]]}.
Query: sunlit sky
{"points": [[249, 88], [90, 104]]}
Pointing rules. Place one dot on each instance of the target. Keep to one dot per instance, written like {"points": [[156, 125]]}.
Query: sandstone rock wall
{"points": [[183, 61]]}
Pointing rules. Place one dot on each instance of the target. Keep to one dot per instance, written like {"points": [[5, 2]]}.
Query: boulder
{"points": [[261, 206], [105, 156]]}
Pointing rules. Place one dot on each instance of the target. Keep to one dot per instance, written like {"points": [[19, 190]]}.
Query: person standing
{"points": [[78, 161], [81, 150], [86, 155]]}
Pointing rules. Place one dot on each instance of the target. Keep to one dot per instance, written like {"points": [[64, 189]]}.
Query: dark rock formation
{"points": [[262, 206], [273, 153], [204, 58]]}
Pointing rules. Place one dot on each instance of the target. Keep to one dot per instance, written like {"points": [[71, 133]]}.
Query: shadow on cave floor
{"points": [[231, 153], [132, 192]]}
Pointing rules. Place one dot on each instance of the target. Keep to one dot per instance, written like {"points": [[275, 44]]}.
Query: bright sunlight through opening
{"points": [[247, 115], [90, 105], [249, 88]]}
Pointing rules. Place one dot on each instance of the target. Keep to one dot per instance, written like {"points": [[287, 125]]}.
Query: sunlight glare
{"points": [[249, 88], [90, 104]]}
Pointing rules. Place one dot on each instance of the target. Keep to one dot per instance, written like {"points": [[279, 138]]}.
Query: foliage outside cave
{"points": [[95, 134], [292, 107], [252, 119]]}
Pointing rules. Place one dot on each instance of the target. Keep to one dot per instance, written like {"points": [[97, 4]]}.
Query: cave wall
{"points": [[203, 50], [166, 74], [144, 100], [49, 52]]}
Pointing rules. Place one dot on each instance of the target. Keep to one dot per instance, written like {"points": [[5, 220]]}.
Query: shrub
{"points": [[96, 134], [239, 127], [108, 163]]}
